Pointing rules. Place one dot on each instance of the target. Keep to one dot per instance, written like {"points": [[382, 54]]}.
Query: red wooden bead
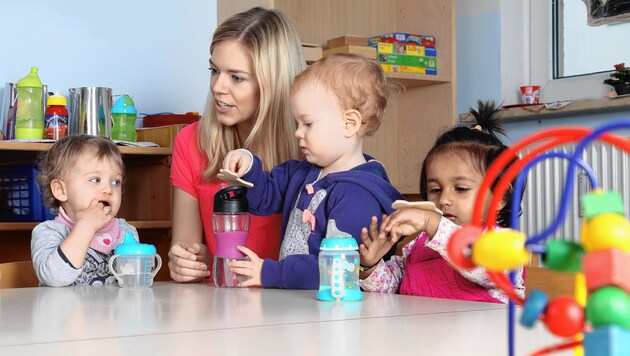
{"points": [[458, 247], [564, 317]]}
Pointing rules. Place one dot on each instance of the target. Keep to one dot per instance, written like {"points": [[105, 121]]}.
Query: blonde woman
{"points": [[254, 56]]}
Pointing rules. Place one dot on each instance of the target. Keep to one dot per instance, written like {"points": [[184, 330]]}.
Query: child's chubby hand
{"points": [[410, 221], [251, 268], [188, 262], [95, 216], [375, 245], [238, 161]]}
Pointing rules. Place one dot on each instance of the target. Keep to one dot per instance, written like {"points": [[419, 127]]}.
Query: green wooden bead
{"points": [[563, 256], [608, 306], [597, 203]]}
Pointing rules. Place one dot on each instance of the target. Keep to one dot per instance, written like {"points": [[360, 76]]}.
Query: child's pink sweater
{"points": [[424, 269]]}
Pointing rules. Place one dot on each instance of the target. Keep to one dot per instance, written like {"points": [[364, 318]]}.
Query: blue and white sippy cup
{"points": [[136, 263], [338, 266]]}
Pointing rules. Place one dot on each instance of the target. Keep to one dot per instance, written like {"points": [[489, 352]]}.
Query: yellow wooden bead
{"points": [[606, 231], [500, 250]]}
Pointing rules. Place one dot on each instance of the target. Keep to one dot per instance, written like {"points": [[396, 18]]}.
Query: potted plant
{"points": [[620, 79]]}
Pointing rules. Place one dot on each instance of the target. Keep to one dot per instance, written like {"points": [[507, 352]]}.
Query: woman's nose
{"points": [[218, 84]]}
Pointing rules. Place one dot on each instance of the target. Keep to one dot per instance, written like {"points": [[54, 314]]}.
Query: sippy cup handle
{"points": [[337, 282], [113, 270], [159, 265]]}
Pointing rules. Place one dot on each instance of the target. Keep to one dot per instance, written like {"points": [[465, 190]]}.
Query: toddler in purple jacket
{"points": [[336, 102]]}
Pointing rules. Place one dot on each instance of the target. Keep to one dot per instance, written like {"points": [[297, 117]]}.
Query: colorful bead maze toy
{"points": [[597, 317]]}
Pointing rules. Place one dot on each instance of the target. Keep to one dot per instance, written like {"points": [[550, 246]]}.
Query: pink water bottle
{"points": [[230, 222]]}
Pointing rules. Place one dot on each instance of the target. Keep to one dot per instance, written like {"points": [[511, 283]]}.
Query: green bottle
{"points": [[29, 121], [124, 116]]}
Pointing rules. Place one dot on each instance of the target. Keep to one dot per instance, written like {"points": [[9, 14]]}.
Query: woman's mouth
{"points": [[223, 106]]}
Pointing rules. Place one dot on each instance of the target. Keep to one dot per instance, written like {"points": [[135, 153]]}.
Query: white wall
{"points": [[155, 50]]}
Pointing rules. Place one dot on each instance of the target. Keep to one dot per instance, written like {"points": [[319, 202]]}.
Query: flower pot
{"points": [[622, 89]]}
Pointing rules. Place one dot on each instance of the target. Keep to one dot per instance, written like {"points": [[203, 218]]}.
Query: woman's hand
{"points": [[374, 245], [238, 161], [188, 262], [251, 268]]}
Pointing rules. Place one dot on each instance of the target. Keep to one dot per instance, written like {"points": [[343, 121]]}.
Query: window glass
{"points": [[580, 49]]}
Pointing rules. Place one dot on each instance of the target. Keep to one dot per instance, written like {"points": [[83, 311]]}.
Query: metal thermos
{"points": [[90, 111]]}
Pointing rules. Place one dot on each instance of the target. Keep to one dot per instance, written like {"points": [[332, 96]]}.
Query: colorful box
{"points": [[393, 68], [406, 49], [405, 60], [404, 38]]}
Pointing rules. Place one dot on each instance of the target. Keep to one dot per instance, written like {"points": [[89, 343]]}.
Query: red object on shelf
{"points": [[169, 119]]}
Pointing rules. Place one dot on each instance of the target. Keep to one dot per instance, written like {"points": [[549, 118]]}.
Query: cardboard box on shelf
{"points": [[347, 40], [406, 49], [369, 52], [408, 69], [404, 38], [312, 52], [404, 60]]}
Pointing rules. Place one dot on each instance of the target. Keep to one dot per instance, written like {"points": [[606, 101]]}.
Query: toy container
{"points": [[338, 266]]}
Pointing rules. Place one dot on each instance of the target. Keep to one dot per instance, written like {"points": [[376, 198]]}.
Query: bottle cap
{"points": [[56, 99], [132, 247], [31, 80], [336, 239], [231, 200], [124, 105]]}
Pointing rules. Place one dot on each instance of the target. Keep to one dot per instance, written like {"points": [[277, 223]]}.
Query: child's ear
{"points": [[58, 189], [351, 122]]}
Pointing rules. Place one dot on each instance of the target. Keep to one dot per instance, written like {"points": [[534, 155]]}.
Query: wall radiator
{"points": [[545, 183]]}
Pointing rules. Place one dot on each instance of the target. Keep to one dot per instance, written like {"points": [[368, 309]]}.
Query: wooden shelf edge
{"points": [[125, 150], [140, 225], [413, 80], [577, 107]]}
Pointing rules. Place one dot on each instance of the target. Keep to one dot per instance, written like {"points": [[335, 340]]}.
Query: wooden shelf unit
{"points": [[146, 202], [414, 119]]}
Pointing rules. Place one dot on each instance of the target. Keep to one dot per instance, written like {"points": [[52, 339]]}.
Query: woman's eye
{"points": [[237, 79], [213, 71]]}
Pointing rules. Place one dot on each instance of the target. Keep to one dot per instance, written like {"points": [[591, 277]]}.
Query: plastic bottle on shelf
{"points": [[29, 121], [124, 116], [56, 117]]}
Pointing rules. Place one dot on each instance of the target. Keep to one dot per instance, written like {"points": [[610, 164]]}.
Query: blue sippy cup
{"points": [[136, 263], [338, 266]]}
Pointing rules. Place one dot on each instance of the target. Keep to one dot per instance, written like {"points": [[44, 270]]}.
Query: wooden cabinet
{"points": [[428, 106], [146, 202]]}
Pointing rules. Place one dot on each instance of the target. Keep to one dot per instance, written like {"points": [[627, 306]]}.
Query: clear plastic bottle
{"points": [[230, 222], [29, 121], [56, 117], [124, 116]]}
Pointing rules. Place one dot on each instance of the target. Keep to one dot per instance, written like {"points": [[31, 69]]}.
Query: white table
{"points": [[198, 319]]}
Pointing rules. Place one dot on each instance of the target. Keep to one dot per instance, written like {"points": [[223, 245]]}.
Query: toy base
{"points": [[324, 294]]}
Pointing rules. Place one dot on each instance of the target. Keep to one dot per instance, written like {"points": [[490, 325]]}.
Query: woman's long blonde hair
{"points": [[276, 52]]}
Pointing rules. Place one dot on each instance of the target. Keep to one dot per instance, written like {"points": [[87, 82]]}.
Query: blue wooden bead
{"points": [[534, 306]]}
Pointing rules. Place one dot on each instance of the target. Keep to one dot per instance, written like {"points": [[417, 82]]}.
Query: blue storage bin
{"points": [[20, 198]]}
